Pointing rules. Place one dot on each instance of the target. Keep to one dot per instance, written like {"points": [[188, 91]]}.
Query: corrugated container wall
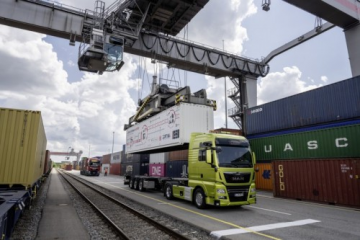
{"points": [[178, 155], [264, 177], [159, 157], [115, 169], [47, 164], [177, 169], [116, 157], [132, 158], [327, 181], [137, 168], [334, 142], [106, 159], [334, 102], [157, 169], [22, 147]]}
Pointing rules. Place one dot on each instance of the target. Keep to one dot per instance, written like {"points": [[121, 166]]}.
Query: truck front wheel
{"points": [[168, 191], [199, 198]]}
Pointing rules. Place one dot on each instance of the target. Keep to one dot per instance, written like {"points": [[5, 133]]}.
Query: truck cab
{"points": [[221, 172]]}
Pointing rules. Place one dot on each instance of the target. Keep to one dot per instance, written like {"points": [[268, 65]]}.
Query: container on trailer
{"points": [[334, 102], [47, 163], [68, 167], [177, 169], [159, 157], [116, 157], [136, 168], [106, 159], [115, 168], [170, 128], [22, 147], [326, 141], [178, 155], [264, 177], [157, 169], [130, 158], [332, 181]]}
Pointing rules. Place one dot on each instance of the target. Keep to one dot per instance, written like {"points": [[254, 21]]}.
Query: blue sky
{"points": [[82, 110]]}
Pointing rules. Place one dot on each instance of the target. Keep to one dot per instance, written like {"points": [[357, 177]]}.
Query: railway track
{"points": [[125, 221]]}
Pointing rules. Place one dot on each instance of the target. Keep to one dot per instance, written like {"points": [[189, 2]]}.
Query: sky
{"points": [[87, 112]]}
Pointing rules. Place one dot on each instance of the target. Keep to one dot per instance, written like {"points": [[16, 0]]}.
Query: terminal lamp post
{"points": [[266, 5]]}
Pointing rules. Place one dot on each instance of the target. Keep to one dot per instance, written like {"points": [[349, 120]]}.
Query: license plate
{"points": [[239, 194]]}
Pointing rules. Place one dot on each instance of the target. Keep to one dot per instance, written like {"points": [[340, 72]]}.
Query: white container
{"points": [[159, 157], [169, 128], [105, 166], [115, 157]]}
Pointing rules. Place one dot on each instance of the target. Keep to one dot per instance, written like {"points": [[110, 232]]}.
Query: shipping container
{"points": [[105, 166], [159, 157], [47, 163], [264, 176], [22, 147], [68, 167], [334, 142], [115, 169], [227, 131], [334, 102], [106, 159], [177, 169], [319, 180], [169, 129], [130, 158], [116, 157], [136, 168], [178, 155], [157, 169]]}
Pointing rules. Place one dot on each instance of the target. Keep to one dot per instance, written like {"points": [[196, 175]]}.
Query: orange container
{"points": [[264, 177]]}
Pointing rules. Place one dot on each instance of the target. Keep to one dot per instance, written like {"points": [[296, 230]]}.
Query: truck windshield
{"points": [[233, 154]]}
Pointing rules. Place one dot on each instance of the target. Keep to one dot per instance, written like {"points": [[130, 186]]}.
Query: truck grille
{"points": [[233, 177], [238, 194]]}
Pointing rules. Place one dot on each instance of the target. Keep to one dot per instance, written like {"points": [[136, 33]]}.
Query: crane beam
{"points": [[70, 23]]}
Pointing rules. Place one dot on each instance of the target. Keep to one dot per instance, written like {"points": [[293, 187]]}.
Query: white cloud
{"points": [[324, 79], [282, 84], [74, 114]]}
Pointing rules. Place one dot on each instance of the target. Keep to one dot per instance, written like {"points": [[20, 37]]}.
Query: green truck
{"points": [[221, 173]]}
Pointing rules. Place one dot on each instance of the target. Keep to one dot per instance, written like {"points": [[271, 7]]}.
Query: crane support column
{"points": [[352, 36]]}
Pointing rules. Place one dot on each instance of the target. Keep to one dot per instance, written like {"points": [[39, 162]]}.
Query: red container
{"points": [[106, 158], [68, 167], [334, 181], [115, 168], [178, 155], [157, 169]]}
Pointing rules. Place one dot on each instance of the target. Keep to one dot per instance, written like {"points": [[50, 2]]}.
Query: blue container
{"points": [[335, 102], [177, 169], [133, 158]]}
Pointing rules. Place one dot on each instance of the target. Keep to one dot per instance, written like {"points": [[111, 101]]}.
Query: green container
{"points": [[333, 142]]}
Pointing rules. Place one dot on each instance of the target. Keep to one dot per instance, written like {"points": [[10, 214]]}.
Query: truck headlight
{"points": [[220, 191]]}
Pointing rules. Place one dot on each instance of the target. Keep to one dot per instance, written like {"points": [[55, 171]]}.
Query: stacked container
{"points": [[105, 164], [135, 164], [115, 163], [306, 145], [177, 166], [157, 164]]}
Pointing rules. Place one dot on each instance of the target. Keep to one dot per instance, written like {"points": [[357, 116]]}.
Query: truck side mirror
{"points": [[208, 156], [253, 158]]}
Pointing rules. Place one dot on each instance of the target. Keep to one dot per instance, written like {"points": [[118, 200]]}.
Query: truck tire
{"points": [[131, 184], [168, 192], [199, 198], [136, 184], [141, 185]]}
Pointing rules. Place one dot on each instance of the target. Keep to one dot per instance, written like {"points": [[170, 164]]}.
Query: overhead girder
{"points": [[63, 22]]}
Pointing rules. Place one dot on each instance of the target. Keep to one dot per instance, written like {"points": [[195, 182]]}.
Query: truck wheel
{"points": [[131, 184], [168, 193], [199, 198], [141, 186], [136, 184]]}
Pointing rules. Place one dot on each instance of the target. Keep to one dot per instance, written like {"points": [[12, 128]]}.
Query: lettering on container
{"points": [[256, 110], [344, 168], [281, 177], [311, 145]]}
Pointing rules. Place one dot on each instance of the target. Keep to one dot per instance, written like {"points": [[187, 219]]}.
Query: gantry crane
{"points": [[148, 28]]}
